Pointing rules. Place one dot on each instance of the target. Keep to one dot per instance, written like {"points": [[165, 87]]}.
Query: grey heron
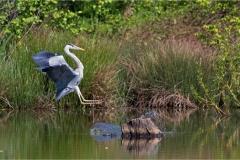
{"points": [[57, 69]]}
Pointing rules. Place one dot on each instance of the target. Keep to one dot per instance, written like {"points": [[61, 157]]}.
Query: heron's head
{"points": [[72, 46]]}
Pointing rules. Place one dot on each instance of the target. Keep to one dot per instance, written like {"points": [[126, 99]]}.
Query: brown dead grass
{"points": [[5, 100], [42, 102], [159, 97], [103, 86]]}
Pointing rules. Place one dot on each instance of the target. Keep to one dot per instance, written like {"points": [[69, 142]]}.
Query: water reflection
{"points": [[191, 134], [142, 146]]}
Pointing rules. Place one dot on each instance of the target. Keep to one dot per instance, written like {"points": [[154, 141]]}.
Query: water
{"points": [[65, 134]]}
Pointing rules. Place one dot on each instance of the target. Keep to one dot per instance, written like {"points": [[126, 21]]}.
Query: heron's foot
{"points": [[91, 102], [99, 102], [96, 102]]}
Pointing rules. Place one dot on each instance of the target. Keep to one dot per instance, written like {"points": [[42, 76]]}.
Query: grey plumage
{"points": [[46, 59], [56, 68]]}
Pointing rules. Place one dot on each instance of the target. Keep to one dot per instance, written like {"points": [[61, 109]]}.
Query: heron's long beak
{"points": [[81, 49]]}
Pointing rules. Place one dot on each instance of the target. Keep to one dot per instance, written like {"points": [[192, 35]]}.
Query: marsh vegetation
{"points": [[138, 53]]}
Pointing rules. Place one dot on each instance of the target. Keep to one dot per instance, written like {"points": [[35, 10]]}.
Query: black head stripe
{"points": [[70, 44]]}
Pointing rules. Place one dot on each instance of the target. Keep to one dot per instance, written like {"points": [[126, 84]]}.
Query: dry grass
{"points": [[43, 102], [159, 97], [104, 86], [5, 101]]}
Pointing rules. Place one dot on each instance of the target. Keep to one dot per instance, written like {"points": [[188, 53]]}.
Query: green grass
{"points": [[23, 86]]}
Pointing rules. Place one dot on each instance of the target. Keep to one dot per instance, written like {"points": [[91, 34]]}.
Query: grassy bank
{"points": [[119, 72], [180, 55]]}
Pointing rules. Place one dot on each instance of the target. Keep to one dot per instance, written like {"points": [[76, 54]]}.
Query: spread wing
{"points": [[56, 68], [46, 59], [62, 75]]}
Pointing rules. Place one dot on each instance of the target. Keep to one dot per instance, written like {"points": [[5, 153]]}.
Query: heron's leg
{"points": [[87, 100], [83, 100], [79, 93]]}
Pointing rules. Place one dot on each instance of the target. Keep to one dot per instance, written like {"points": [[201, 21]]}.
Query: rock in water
{"points": [[105, 132], [140, 128]]}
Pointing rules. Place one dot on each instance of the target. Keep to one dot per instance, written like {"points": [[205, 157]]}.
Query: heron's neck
{"points": [[78, 62]]}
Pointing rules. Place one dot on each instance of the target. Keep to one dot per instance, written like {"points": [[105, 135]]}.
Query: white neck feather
{"points": [[78, 62]]}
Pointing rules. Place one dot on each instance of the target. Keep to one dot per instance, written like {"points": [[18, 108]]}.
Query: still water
{"points": [[65, 134]]}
